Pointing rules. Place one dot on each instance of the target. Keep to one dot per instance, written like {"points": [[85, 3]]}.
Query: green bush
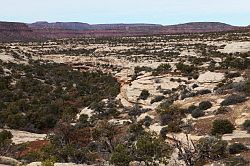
{"points": [[233, 99], [236, 148], [150, 148], [173, 127], [5, 135], [144, 94], [164, 132], [211, 148], [222, 110], [221, 126], [121, 156], [191, 108], [246, 125], [196, 113], [162, 68], [157, 99], [204, 105]]}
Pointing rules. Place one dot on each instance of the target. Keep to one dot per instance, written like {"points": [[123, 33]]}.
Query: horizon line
{"points": [[129, 23]]}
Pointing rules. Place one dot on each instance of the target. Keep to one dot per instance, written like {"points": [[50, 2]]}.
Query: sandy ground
{"points": [[210, 77], [236, 47]]}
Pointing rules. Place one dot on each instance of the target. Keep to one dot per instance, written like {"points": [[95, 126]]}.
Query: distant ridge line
{"points": [[14, 31]]}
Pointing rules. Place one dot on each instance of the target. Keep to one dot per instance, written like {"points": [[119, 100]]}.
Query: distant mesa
{"points": [[12, 31]]}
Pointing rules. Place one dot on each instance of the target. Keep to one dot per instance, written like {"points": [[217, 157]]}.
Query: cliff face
{"points": [[199, 27], [60, 25], [10, 31]]}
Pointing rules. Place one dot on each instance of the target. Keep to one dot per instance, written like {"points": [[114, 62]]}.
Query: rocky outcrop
{"points": [[9, 161], [11, 31]]}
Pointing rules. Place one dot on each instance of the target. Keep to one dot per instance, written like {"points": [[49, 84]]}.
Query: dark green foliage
{"points": [[150, 147], [236, 62], [221, 126], [157, 99], [222, 110], [48, 92], [5, 135], [186, 69], [121, 156], [233, 99], [247, 86], [139, 69], [196, 113], [5, 142], [147, 121], [173, 127], [246, 125], [236, 148], [144, 94], [204, 105], [211, 148], [170, 114], [161, 69], [232, 74], [191, 108], [164, 132], [83, 121]]}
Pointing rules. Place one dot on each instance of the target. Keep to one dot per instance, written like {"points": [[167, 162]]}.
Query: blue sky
{"points": [[236, 12]]}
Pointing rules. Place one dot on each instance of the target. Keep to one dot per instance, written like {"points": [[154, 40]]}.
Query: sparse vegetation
{"points": [[221, 126]]}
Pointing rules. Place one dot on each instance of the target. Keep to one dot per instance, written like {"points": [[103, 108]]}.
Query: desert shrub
{"points": [[49, 162], [32, 156], [144, 94], [83, 121], [233, 99], [196, 113], [136, 110], [164, 132], [136, 128], [247, 86], [139, 69], [149, 148], [121, 156], [239, 161], [232, 74], [203, 92], [157, 99], [195, 76], [246, 125], [173, 127], [221, 126], [187, 69], [195, 86], [191, 108], [170, 114], [187, 94], [5, 135], [204, 105], [147, 121], [222, 110], [162, 68], [236, 148], [165, 119], [45, 93], [211, 148]]}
